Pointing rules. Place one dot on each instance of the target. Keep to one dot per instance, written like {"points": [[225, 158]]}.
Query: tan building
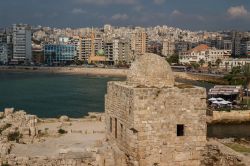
{"points": [[91, 44], [139, 42], [151, 121]]}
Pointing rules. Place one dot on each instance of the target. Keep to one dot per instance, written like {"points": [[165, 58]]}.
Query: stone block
{"points": [[8, 111]]}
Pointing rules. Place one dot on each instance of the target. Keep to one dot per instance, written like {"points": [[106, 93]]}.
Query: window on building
{"points": [[180, 130], [110, 124], [115, 128]]}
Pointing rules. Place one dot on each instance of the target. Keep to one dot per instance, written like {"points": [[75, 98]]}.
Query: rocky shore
{"points": [[27, 140], [31, 141]]}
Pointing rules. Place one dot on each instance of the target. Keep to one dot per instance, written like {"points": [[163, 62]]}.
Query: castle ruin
{"points": [[151, 120]]}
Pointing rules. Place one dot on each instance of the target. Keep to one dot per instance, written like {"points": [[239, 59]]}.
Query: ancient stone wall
{"points": [[120, 104], [232, 116], [150, 121], [142, 122], [47, 161], [217, 154]]}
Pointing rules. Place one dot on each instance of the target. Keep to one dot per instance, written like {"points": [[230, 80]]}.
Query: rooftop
{"points": [[201, 47]]}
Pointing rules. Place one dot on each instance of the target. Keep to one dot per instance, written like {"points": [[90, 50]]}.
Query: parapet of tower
{"points": [[151, 121]]}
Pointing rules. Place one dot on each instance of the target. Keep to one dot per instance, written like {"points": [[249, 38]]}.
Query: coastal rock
{"points": [[1, 115], [64, 118], [8, 111], [217, 154]]}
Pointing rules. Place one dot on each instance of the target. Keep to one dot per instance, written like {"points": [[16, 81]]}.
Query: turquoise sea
{"points": [[52, 95]]}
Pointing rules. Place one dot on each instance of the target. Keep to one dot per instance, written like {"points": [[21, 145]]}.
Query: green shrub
{"points": [[14, 136], [61, 131], [5, 164], [93, 116]]}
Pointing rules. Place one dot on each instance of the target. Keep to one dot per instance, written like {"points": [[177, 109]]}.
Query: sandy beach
{"points": [[68, 70]]}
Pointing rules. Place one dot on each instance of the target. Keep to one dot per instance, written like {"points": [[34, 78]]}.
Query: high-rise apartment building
{"points": [[116, 51], [227, 44], [6, 43], [139, 42], [236, 44], [168, 48], [109, 51], [91, 44], [245, 48], [22, 51], [124, 53]]}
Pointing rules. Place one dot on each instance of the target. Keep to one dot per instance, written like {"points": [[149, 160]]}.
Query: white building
{"points": [[204, 52], [107, 28], [116, 51], [3, 53], [246, 48], [230, 63], [21, 43]]}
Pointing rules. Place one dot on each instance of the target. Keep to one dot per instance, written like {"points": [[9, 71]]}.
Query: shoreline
{"points": [[103, 72], [68, 70]]}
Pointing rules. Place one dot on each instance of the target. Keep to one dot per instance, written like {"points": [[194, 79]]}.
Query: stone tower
{"points": [[151, 121]]}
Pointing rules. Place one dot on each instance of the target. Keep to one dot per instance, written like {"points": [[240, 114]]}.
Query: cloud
{"points": [[78, 11], [159, 2], [107, 2], [237, 12], [119, 16], [175, 13]]}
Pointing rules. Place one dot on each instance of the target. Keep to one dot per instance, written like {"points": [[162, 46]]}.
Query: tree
{"points": [[77, 61], [209, 66], [235, 70], [227, 63], [239, 76], [195, 65], [173, 59], [218, 62], [201, 62], [246, 74]]}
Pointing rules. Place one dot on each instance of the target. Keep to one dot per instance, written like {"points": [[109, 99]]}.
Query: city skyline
{"points": [[194, 14]]}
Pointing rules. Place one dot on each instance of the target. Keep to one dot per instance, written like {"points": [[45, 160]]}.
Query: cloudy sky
{"points": [[188, 14]]}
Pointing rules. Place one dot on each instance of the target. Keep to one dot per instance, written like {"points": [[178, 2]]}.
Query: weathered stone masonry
{"points": [[155, 122]]}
